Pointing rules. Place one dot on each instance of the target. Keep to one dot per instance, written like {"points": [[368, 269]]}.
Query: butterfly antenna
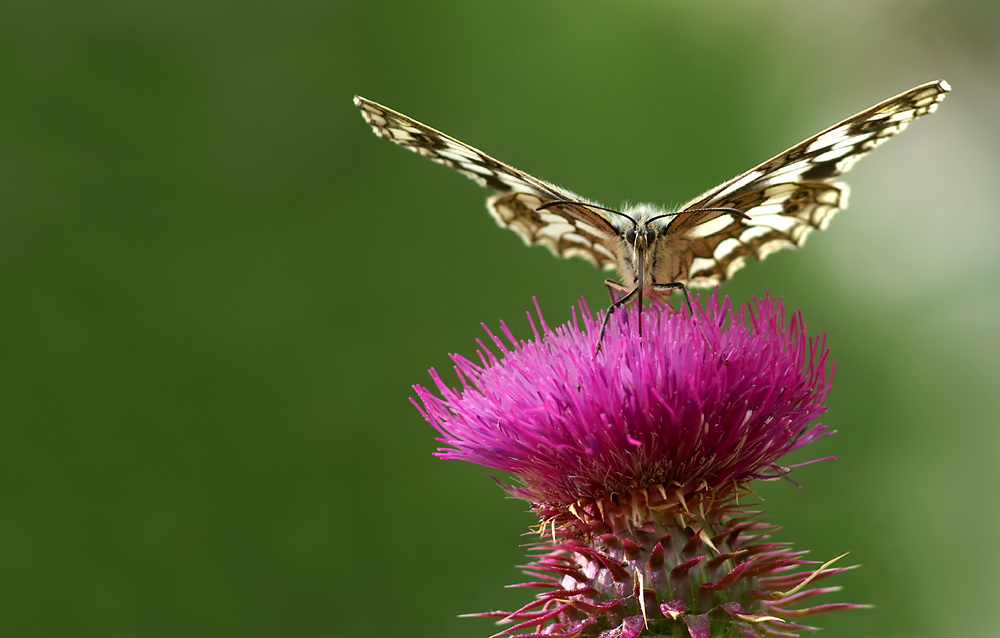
{"points": [[723, 209], [557, 202]]}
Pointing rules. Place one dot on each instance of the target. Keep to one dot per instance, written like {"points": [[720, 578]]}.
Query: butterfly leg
{"points": [[676, 285], [613, 287]]}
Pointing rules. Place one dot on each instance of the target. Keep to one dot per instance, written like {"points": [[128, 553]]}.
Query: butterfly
{"points": [[701, 244]]}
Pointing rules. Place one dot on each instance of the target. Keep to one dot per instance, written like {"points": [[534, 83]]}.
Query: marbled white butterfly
{"points": [[771, 206]]}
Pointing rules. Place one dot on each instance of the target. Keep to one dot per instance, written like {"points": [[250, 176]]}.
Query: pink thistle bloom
{"points": [[634, 459]]}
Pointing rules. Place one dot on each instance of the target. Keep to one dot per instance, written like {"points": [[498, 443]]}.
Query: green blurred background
{"points": [[219, 287]]}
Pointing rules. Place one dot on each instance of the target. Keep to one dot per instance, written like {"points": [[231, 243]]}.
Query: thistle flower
{"points": [[635, 460]]}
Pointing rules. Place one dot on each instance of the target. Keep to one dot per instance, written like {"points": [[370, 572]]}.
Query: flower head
{"points": [[705, 403], [634, 458]]}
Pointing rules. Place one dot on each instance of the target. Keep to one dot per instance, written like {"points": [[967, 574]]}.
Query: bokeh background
{"points": [[218, 287]]}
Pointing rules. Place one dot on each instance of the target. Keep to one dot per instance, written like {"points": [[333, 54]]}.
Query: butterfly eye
{"points": [[650, 234], [630, 235]]}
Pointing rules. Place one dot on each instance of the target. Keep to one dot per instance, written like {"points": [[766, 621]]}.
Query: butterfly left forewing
{"points": [[787, 196], [568, 229]]}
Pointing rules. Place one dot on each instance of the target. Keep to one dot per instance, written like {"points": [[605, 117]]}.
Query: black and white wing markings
{"points": [[582, 233], [772, 206], [567, 229], [790, 194]]}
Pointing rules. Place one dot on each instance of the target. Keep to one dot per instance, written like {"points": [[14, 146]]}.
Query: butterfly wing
{"points": [[787, 196], [569, 229]]}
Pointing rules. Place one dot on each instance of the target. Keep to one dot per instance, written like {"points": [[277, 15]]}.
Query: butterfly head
{"points": [[647, 223], [643, 226], [640, 229], [640, 237]]}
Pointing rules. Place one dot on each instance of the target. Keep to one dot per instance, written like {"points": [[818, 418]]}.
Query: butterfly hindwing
{"points": [[781, 216], [565, 235]]}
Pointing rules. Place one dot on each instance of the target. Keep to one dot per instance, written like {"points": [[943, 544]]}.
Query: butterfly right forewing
{"points": [[787, 196]]}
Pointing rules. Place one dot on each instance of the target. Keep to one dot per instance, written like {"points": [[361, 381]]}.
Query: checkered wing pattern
{"points": [[570, 229], [772, 206], [789, 195]]}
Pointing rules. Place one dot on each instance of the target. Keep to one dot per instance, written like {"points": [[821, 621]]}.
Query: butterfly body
{"points": [[644, 250], [641, 253], [701, 244]]}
